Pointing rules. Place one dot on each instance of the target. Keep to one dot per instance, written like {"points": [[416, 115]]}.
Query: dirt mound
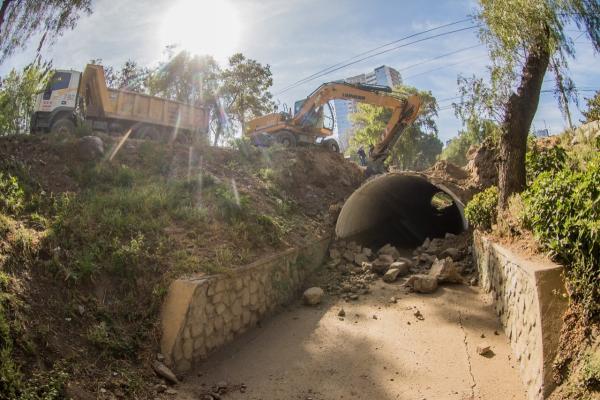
{"points": [[96, 262], [483, 164]]}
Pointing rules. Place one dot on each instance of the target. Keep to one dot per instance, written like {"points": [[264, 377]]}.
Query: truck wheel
{"points": [[331, 145], [63, 127], [287, 139]]}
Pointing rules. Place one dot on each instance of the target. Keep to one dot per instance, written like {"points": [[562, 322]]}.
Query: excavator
{"points": [[308, 124]]}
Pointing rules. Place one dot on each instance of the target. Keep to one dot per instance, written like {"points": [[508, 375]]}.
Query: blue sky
{"points": [[300, 37]]}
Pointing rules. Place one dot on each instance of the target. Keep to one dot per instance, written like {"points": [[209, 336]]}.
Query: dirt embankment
{"points": [[87, 257]]}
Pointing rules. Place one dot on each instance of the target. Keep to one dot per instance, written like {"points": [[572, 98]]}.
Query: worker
{"points": [[362, 156]]}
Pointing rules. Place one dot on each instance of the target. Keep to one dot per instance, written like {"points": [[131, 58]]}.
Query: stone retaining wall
{"points": [[530, 299], [204, 312]]}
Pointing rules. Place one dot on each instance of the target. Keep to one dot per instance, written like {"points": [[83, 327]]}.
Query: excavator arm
{"points": [[404, 112]]}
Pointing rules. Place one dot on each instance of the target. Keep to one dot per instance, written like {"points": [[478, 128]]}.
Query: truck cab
{"points": [[57, 102]]}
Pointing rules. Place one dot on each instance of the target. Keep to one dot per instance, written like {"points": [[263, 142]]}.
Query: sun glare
{"points": [[202, 27]]}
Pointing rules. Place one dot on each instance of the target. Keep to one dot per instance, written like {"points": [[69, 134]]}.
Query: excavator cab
{"points": [[317, 118]]}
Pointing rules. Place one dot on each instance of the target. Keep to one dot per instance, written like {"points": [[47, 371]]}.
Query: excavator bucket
{"points": [[408, 114]]}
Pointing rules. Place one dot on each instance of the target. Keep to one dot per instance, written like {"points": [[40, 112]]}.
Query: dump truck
{"points": [[307, 125], [72, 97]]}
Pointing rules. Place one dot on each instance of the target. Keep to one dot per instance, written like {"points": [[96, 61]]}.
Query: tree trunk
{"points": [[520, 111], [3, 9]]}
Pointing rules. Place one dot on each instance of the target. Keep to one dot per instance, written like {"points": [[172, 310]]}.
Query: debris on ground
{"points": [[313, 296], [164, 372], [352, 268], [484, 349]]}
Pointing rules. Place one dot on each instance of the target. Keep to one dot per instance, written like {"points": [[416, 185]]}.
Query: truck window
{"points": [[60, 80]]}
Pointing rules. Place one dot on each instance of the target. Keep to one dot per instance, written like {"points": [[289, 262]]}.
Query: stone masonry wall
{"points": [[530, 299], [202, 313]]}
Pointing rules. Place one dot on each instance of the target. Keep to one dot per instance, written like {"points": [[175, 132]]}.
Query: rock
{"points": [[484, 349], [348, 255], [422, 283], [360, 258], [382, 263], [389, 250], [160, 357], [90, 148], [222, 385], [313, 296], [425, 244], [403, 267], [418, 315], [435, 246], [391, 275], [335, 254], [164, 372], [451, 252], [367, 266], [449, 235], [160, 388], [367, 251], [445, 271], [342, 313], [172, 392], [473, 281], [393, 300]]}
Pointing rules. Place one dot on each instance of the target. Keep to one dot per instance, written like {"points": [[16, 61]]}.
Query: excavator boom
{"points": [[304, 126]]}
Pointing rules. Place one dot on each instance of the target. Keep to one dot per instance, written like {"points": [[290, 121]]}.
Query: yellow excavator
{"points": [[308, 123]]}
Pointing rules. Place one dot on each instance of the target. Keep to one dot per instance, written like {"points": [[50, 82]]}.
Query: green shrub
{"points": [[12, 195], [563, 211], [481, 212], [538, 160]]}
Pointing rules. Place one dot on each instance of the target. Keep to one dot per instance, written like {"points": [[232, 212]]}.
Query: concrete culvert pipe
{"points": [[400, 208]]}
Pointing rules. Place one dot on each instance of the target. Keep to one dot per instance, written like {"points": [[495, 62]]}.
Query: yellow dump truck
{"points": [[72, 97]]}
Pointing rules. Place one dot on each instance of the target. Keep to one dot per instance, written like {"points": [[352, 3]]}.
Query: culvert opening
{"points": [[401, 209]]}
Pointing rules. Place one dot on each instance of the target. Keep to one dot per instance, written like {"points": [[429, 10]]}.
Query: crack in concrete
{"points": [[473, 383]]}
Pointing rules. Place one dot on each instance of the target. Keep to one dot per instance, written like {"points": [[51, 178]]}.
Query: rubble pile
{"points": [[352, 268]]}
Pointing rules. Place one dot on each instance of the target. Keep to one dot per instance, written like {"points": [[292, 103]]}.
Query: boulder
{"points": [[313, 296], [164, 372], [90, 148], [382, 263], [390, 250], [335, 254], [445, 271], [422, 283], [451, 252], [360, 258], [348, 255], [391, 275], [403, 267]]}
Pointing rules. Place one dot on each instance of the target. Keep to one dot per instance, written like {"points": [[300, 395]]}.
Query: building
{"points": [[384, 75]]}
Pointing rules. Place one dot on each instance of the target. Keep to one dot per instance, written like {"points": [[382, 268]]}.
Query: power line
{"points": [[381, 47], [440, 56], [442, 67], [305, 80]]}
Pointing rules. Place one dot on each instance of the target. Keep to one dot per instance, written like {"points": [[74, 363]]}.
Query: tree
{"points": [[188, 78], [22, 19], [477, 110], [417, 147], [593, 108], [245, 89], [526, 35], [18, 92]]}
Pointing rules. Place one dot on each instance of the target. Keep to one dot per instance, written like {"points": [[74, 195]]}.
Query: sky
{"points": [[300, 37]]}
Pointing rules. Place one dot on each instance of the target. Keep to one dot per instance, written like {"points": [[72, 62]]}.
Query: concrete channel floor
{"points": [[312, 353]]}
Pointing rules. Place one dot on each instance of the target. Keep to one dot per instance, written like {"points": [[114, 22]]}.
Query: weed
{"points": [[590, 373], [12, 195]]}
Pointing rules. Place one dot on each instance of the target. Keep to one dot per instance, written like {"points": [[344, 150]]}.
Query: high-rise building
{"points": [[384, 75]]}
